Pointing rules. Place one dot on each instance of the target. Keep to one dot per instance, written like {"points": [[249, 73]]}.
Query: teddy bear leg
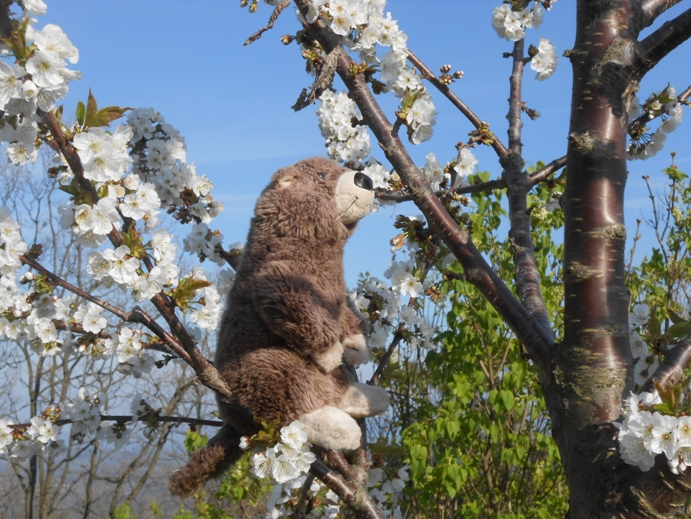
{"points": [[361, 400], [331, 428]]}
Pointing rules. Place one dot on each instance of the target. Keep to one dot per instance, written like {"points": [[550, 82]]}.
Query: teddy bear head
{"points": [[316, 197]]}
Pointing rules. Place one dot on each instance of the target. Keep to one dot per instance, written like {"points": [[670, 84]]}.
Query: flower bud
{"points": [[27, 278]]}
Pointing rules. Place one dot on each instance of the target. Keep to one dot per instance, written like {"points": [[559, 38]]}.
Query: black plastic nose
{"points": [[363, 181]]}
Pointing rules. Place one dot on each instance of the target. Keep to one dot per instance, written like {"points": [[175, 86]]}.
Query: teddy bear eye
{"points": [[321, 175]]}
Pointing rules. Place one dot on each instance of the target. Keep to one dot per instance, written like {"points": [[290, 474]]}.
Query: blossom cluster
{"points": [[380, 303], [385, 487], [510, 22], [37, 79], [208, 315], [364, 26], [664, 105], [133, 357], [644, 434], [287, 463], [379, 174], [84, 412], [284, 495], [288, 459], [345, 142], [646, 363], [160, 158], [545, 61], [11, 248], [41, 435], [34, 316]]}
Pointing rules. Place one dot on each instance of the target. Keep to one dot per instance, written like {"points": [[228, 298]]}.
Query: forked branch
{"points": [[456, 239]]}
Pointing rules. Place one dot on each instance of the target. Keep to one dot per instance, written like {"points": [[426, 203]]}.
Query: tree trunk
{"points": [[593, 366]]}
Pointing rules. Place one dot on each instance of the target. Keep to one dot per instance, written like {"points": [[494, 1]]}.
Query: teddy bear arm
{"points": [[292, 309], [353, 330]]}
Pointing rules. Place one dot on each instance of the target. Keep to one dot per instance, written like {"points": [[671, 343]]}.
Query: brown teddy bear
{"points": [[289, 322]]}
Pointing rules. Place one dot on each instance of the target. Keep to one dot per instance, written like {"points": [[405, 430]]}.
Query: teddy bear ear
{"points": [[284, 180]]}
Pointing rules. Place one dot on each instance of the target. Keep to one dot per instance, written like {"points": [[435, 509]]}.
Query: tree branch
{"points": [[130, 418], [650, 51], [537, 341], [137, 315], [353, 494], [543, 173], [684, 96], [499, 148], [518, 186], [385, 359], [486, 187], [671, 370], [651, 9]]}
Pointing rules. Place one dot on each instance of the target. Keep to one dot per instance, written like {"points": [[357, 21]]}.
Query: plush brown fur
{"points": [[288, 320]]}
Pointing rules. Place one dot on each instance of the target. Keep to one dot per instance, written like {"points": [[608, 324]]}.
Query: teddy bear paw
{"points": [[363, 400], [331, 358], [355, 350], [331, 428]]}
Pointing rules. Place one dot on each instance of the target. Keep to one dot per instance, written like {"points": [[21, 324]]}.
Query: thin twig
{"points": [[309, 479], [272, 20], [131, 418], [636, 238], [540, 175], [546, 171], [137, 315], [499, 148]]}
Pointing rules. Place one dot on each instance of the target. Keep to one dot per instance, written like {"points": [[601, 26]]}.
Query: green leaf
{"points": [[663, 409], [653, 322], [452, 427], [679, 329], [418, 459], [507, 399], [382, 449], [194, 441], [103, 117], [81, 113], [91, 109], [110, 113], [17, 40]]}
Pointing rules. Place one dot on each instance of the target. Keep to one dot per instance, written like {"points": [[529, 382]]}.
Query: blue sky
{"points": [[232, 103]]}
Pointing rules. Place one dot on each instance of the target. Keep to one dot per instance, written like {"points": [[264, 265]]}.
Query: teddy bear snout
{"points": [[363, 181]]}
